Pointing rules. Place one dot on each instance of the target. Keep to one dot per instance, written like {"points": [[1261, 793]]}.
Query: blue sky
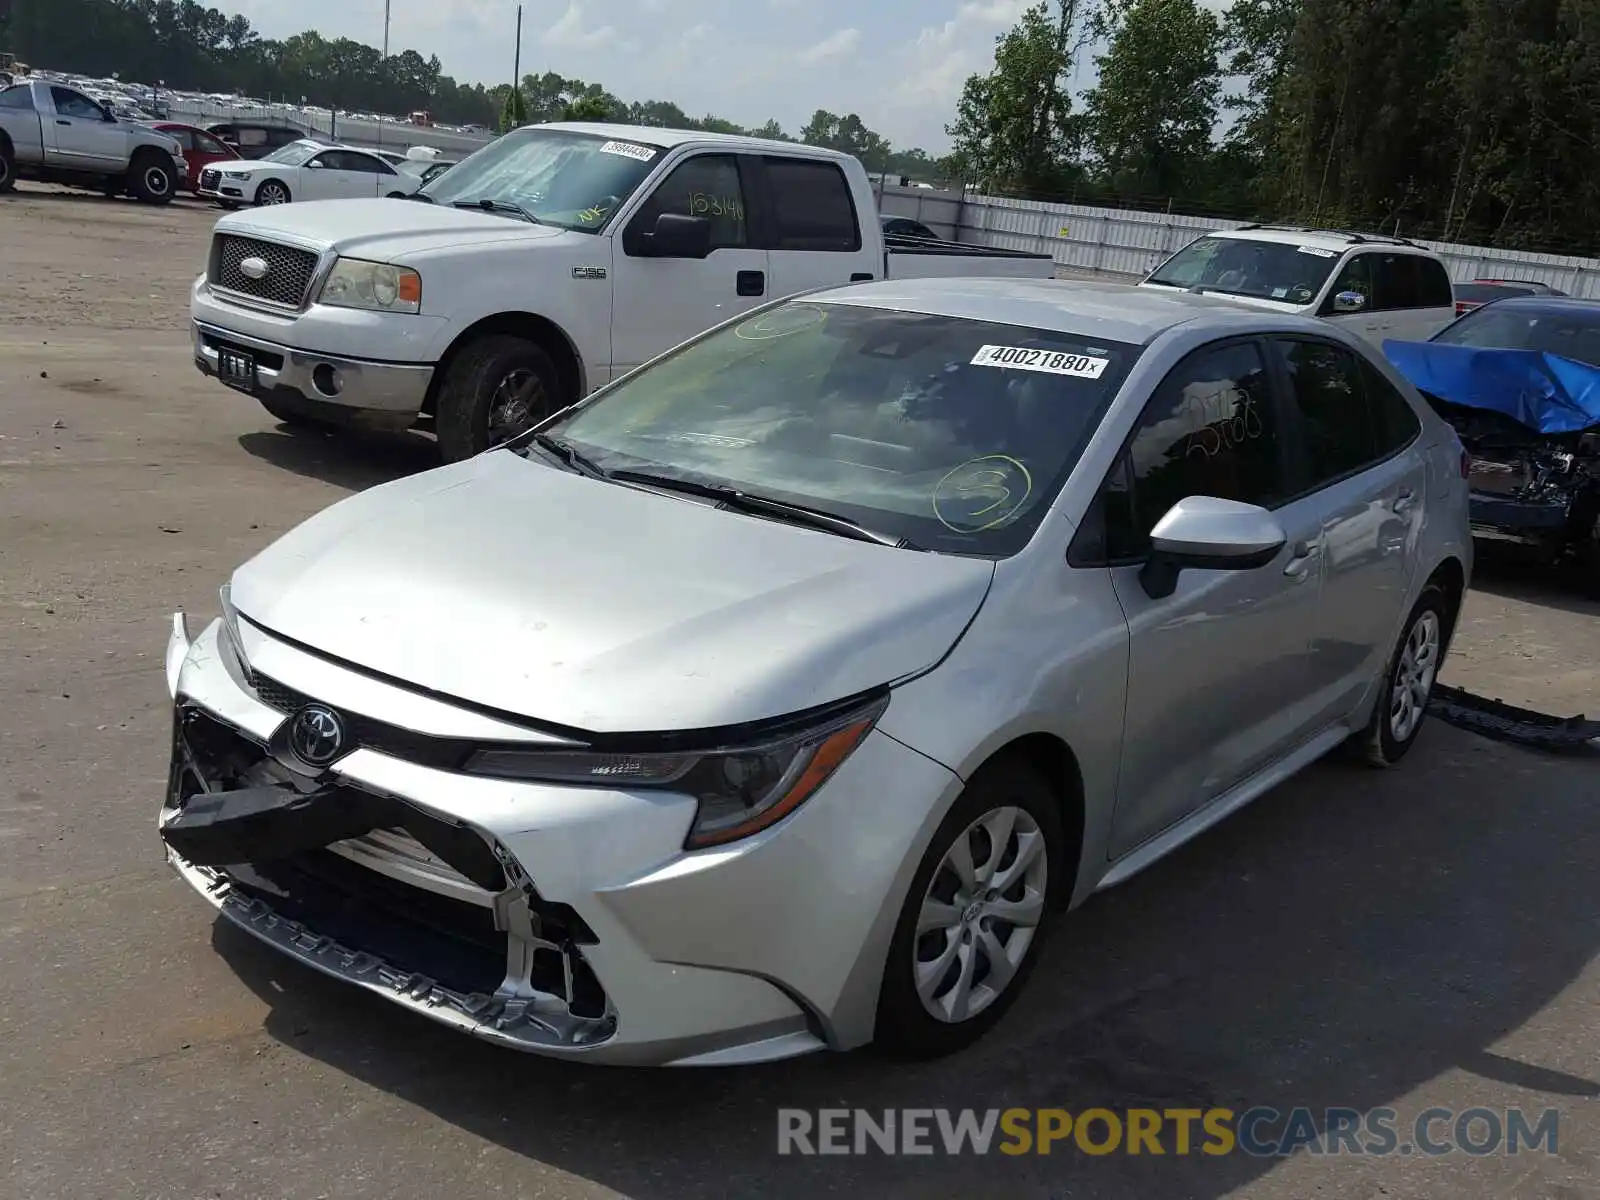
{"points": [[899, 63]]}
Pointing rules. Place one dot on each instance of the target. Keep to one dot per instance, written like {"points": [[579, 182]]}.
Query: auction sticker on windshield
{"points": [[1054, 362], [1316, 250], [629, 150]]}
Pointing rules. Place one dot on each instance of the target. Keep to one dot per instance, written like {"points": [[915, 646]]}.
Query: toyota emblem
{"points": [[254, 267], [316, 735]]}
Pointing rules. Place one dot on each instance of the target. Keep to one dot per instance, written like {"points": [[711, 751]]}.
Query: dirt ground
{"points": [[1416, 938]]}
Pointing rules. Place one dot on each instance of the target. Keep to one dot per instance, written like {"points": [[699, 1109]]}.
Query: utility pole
{"points": [[385, 68], [516, 62]]}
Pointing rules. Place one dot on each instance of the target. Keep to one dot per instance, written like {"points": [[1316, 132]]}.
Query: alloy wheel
{"points": [[1413, 676], [980, 913]]}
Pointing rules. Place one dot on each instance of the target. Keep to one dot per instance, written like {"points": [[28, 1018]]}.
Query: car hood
{"points": [[534, 591], [382, 229]]}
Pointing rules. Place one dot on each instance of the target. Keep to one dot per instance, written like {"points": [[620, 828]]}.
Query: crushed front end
{"points": [[563, 921], [1535, 489]]}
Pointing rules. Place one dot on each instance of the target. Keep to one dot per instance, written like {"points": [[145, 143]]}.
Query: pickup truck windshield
{"points": [[571, 180], [1241, 267], [952, 434]]}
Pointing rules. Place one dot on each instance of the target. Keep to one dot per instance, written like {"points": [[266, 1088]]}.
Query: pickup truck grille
{"points": [[289, 269], [209, 178]]}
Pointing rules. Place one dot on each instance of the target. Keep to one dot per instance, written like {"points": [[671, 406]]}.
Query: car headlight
{"points": [[741, 790], [380, 287]]}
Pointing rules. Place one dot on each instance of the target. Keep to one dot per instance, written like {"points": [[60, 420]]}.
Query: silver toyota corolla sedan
{"points": [[777, 695]]}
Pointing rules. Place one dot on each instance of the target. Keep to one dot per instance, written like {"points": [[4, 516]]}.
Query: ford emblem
{"points": [[254, 268]]}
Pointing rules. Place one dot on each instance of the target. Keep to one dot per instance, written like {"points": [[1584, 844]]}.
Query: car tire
{"points": [[913, 987], [273, 192], [150, 179], [8, 167], [1408, 678], [495, 388]]}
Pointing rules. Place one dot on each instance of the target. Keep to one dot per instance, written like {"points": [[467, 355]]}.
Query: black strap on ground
{"points": [[1521, 726]]}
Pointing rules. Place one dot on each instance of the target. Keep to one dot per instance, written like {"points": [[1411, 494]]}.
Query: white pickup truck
{"points": [[58, 135], [550, 262]]}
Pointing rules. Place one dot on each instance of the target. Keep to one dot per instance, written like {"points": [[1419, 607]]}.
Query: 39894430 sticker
{"points": [[629, 150], [1053, 362]]}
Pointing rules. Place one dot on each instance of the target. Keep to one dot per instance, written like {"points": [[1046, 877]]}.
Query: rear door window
{"points": [[811, 206], [1398, 285], [1337, 429], [19, 97], [1433, 283]]}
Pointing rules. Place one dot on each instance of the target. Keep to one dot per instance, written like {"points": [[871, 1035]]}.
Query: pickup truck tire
{"points": [[495, 388], [8, 166], [151, 178]]}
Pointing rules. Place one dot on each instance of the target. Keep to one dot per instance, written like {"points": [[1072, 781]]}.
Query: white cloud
{"points": [[841, 44], [932, 70], [570, 32]]}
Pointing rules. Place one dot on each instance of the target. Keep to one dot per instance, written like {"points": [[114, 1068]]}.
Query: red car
{"points": [[200, 149]]}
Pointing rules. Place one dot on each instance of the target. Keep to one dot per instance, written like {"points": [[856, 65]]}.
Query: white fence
{"points": [[1113, 241]]}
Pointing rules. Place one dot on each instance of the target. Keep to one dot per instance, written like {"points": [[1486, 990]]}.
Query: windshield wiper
{"points": [[500, 206], [763, 506], [569, 454]]}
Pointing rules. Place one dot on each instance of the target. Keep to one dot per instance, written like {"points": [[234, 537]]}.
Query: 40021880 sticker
{"points": [[1053, 362]]}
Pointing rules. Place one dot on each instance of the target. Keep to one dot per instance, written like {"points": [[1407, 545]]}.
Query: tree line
{"points": [[1462, 120], [195, 48], [1457, 120]]}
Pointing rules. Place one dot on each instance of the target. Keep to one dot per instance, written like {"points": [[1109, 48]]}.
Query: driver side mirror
{"points": [[107, 116], [679, 236], [314, 165], [1210, 534], [1349, 302]]}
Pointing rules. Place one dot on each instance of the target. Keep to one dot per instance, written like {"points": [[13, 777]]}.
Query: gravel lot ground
{"points": [[1422, 937]]}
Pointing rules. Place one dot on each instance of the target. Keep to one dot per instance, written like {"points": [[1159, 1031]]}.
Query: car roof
{"points": [[1539, 304], [1323, 239], [668, 138], [1117, 312]]}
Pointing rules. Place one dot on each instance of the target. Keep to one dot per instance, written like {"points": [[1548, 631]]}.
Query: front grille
{"points": [[209, 179], [289, 269], [447, 754]]}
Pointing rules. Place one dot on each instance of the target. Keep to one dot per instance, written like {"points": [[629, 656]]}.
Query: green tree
{"points": [[588, 108], [849, 135], [1149, 119], [1013, 128], [514, 114]]}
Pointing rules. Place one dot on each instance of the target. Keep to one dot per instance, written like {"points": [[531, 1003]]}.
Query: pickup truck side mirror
{"points": [[1349, 302], [1208, 533], [679, 236]]}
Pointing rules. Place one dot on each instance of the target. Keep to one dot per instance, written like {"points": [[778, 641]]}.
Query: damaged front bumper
{"points": [[561, 921]]}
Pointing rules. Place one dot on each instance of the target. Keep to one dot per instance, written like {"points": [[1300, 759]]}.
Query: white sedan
{"points": [[305, 170]]}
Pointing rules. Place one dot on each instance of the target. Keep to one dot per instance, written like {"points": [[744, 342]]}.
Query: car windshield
{"points": [[560, 178], [952, 434], [1245, 267], [291, 155], [1508, 326]]}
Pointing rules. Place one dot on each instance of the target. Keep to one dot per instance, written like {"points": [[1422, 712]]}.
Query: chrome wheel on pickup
{"points": [[495, 388]]}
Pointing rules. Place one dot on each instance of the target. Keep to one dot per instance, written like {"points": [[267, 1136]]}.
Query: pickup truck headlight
{"points": [[741, 790], [378, 287]]}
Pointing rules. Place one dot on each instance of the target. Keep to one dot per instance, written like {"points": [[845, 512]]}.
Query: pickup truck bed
{"points": [[922, 258]]}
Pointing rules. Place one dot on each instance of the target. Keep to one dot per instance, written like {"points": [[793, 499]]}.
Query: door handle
{"points": [[751, 283], [62, 121], [1298, 568], [1404, 501]]}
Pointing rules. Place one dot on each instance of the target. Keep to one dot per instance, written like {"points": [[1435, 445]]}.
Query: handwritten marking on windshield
{"points": [[1053, 362], [781, 322], [982, 493]]}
